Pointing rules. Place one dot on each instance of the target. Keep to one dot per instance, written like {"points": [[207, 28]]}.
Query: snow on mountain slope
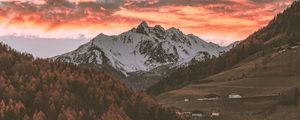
{"points": [[142, 49]]}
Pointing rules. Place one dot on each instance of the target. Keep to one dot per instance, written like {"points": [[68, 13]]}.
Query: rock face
{"points": [[143, 49]]}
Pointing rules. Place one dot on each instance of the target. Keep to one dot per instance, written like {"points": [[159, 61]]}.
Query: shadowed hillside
{"points": [[282, 30], [263, 72]]}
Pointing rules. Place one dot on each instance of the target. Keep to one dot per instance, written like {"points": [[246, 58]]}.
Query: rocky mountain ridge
{"points": [[143, 49]]}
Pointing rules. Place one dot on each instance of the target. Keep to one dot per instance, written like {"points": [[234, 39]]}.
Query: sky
{"points": [[65, 24]]}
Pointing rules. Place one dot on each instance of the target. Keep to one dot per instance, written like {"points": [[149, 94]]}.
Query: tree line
{"points": [[39, 89]]}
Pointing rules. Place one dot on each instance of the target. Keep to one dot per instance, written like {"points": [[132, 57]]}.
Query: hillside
{"points": [[37, 89], [282, 30], [269, 85], [142, 55], [262, 71]]}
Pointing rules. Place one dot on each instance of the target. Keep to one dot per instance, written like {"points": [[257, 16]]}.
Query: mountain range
{"points": [[190, 78], [143, 52]]}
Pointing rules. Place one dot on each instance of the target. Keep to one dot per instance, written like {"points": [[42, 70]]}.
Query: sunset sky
{"points": [[219, 21]]}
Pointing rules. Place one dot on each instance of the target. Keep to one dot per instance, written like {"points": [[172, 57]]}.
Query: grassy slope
{"points": [[257, 75], [283, 29]]}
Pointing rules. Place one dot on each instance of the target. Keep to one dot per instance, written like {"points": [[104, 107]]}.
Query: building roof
{"points": [[211, 96], [197, 112], [235, 94]]}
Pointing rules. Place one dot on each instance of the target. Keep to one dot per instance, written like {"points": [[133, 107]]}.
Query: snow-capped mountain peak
{"points": [[142, 49], [143, 28]]}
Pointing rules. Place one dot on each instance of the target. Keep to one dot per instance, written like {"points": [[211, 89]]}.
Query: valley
{"points": [[150, 72], [259, 79], [264, 82]]}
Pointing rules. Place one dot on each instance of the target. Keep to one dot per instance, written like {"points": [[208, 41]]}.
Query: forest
{"points": [[41, 89]]}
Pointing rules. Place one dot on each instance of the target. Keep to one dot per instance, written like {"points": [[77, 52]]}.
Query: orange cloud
{"points": [[222, 20]]}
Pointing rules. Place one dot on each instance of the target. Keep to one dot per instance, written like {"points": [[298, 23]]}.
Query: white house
{"points": [[187, 114], [234, 96], [210, 97], [197, 113], [215, 113], [281, 51]]}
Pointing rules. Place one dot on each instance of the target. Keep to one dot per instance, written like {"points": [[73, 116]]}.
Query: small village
{"points": [[216, 113], [218, 100]]}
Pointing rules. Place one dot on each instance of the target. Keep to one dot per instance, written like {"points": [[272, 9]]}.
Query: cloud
{"points": [[202, 17]]}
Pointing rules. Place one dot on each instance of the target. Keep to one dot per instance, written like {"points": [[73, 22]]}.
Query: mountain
{"points": [[282, 30], [143, 51], [38, 89], [263, 69], [267, 81]]}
